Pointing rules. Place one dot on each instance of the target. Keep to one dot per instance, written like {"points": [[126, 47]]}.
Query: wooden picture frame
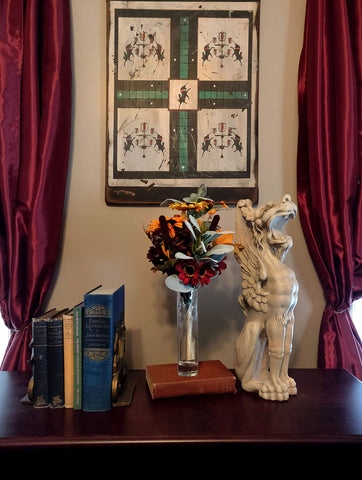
{"points": [[182, 98]]}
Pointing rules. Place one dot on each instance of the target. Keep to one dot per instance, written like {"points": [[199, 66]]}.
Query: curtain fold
{"points": [[329, 169], [35, 125]]}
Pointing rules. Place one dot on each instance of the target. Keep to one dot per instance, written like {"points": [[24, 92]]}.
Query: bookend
{"points": [[122, 398]]}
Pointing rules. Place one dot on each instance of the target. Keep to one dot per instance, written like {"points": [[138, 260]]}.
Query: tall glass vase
{"points": [[187, 333]]}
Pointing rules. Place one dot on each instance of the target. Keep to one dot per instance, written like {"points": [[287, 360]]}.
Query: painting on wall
{"points": [[182, 96]]}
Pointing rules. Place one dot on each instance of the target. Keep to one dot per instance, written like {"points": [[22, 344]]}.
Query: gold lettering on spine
{"points": [[96, 354]]}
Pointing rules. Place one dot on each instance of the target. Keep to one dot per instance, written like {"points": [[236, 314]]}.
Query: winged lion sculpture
{"points": [[268, 297]]}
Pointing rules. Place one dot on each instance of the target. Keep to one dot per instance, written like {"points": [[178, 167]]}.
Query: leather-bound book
{"points": [[213, 378]]}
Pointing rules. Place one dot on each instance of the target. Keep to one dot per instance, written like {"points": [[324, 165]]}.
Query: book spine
{"points": [[55, 362], [77, 334], [40, 364], [179, 389], [68, 360], [102, 314], [97, 357]]}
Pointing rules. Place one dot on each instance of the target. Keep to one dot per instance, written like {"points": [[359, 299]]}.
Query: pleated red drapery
{"points": [[35, 123], [329, 169]]}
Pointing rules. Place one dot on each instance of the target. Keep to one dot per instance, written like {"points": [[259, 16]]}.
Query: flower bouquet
{"points": [[190, 248]]}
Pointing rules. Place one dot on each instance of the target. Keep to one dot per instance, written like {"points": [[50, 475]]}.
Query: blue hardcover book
{"points": [[40, 361], [103, 315]]}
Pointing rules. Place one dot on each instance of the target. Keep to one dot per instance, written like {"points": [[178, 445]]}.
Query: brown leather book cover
{"points": [[213, 378]]}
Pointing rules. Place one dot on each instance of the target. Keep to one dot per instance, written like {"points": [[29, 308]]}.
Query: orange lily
{"points": [[226, 239]]}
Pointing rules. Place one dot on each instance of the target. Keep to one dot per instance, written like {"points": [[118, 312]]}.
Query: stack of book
{"points": [[78, 355]]}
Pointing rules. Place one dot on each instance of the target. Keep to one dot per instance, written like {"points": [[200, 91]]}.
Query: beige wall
{"points": [[107, 244]]}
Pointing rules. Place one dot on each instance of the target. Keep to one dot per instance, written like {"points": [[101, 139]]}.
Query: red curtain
{"points": [[329, 169], [35, 122]]}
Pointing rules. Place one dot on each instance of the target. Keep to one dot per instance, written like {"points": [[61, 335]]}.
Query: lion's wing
{"points": [[253, 273]]}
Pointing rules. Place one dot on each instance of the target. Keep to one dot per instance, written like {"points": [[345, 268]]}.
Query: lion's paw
{"points": [[274, 391], [290, 383]]}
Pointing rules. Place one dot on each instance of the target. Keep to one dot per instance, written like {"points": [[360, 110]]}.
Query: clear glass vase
{"points": [[187, 334]]}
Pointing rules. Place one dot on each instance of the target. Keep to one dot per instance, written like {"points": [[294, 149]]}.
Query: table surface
{"points": [[326, 410]]}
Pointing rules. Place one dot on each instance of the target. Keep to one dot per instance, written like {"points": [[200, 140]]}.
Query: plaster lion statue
{"points": [[269, 295]]}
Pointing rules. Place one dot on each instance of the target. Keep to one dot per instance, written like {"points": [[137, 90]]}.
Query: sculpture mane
{"points": [[269, 295]]}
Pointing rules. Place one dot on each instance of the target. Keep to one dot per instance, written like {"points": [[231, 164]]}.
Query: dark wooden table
{"points": [[326, 412]]}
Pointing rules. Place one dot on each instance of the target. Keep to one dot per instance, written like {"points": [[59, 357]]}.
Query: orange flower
{"points": [[166, 252], [171, 231], [203, 204], [226, 239], [154, 225], [179, 219], [197, 206], [182, 206]]}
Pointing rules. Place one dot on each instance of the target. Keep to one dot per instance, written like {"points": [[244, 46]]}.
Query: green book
{"points": [[56, 360], [77, 339]]}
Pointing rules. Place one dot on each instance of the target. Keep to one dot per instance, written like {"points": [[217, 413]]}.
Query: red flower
{"points": [[191, 272], [206, 273], [188, 271], [221, 266]]}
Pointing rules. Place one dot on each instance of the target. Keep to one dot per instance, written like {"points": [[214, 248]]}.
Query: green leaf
{"points": [[214, 258], [209, 236], [168, 202], [194, 222], [200, 195], [217, 259], [209, 232], [188, 225], [201, 192], [173, 283], [182, 256], [220, 249], [191, 199], [202, 247]]}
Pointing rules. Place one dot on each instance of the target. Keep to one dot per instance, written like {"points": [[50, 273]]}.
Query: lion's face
{"points": [[272, 219], [268, 221], [275, 215]]}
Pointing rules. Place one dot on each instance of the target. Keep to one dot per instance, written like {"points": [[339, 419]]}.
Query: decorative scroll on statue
{"points": [[269, 295]]}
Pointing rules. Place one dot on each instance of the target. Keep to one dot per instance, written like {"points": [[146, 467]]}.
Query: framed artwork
{"points": [[182, 98]]}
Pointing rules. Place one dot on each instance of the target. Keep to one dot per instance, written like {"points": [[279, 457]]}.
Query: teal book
{"points": [[103, 317], [39, 360]]}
